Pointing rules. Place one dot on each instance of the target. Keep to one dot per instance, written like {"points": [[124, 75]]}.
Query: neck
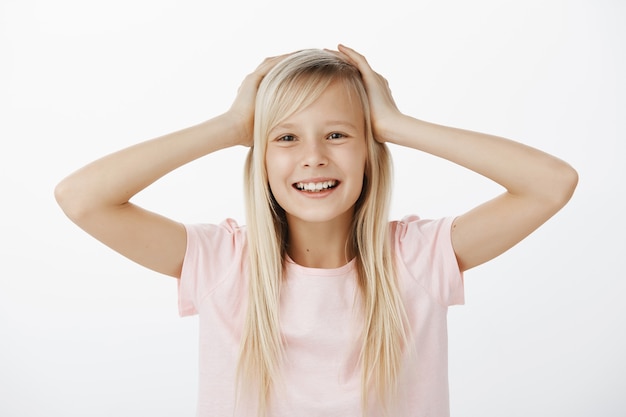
{"points": [[319, 245]]}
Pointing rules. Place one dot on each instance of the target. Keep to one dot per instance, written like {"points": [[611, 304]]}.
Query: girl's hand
{"points": [[242, 109], [383, 108]]}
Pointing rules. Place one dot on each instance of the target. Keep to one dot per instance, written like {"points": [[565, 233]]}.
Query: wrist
{"points": [[392, 130], [238, 129], [232, 130]]}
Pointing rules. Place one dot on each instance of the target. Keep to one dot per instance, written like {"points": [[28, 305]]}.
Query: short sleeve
{"points": [[425, 252], [212, 252]]}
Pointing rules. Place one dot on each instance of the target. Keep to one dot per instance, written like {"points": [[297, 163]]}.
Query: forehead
{"points": [[338, 102]]}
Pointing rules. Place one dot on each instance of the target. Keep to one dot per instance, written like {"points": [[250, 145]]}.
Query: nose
{"points": [[314, 154]]}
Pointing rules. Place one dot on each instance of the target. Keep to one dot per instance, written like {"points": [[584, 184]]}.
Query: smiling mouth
{"points": [[316, 187]]}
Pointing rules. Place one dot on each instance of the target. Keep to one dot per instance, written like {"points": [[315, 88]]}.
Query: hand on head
{"points": [[383, 108], [242, 108]]}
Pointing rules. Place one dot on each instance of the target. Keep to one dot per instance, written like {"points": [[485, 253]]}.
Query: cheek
{"points": [[358, 158], [271, 178], [276, 170]]}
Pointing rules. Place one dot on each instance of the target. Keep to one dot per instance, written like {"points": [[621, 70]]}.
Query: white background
{"points": [[85, 332]]}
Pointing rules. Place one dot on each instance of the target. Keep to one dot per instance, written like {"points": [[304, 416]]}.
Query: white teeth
{"points": [[315, 186]]}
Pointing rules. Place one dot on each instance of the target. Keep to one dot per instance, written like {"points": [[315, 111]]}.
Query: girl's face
{"points": [[315, 159]]}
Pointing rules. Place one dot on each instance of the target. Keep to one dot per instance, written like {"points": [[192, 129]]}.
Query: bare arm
{"points": [[537, 184], [97, 196]]}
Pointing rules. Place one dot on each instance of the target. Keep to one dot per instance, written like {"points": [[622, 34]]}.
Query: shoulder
{"points": [[412, 230], [217, 244], [226, 227], [207, 235], [424, 253], [215, 253]]}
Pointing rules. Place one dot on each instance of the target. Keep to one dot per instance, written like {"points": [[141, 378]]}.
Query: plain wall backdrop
{"points": [[85, 332]]}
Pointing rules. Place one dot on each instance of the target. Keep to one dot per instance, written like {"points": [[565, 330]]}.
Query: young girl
{"points": [[320, 306]]}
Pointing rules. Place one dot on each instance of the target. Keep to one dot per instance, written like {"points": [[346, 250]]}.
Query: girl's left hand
{"points": [[243, 108], [383, 109]]}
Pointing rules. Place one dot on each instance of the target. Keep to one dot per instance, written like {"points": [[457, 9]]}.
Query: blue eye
{"points": [[336, 135]]}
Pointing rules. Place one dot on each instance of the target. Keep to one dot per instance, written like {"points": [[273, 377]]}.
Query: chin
{"points": [[320, 217]]}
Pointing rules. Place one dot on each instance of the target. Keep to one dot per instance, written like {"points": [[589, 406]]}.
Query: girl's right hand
{"points": [[242, 109], [97, 196]]}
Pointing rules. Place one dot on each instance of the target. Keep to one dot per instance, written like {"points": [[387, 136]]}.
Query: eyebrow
{"points": [[330, 123], [340, 123]]}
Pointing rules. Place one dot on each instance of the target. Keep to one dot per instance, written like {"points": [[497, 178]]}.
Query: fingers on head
{"points": [[352, 54], [269, 63]]}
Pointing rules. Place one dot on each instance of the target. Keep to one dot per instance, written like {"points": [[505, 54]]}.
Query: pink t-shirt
{"points": [[320, 323]]}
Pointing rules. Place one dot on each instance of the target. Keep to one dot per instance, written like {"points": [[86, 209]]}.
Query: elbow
{"points": [[67, 195], [62, 195], [565, 181], [570, 181]]}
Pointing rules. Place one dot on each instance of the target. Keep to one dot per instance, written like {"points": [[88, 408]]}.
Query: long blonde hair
{"points": [[293, 84]]}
